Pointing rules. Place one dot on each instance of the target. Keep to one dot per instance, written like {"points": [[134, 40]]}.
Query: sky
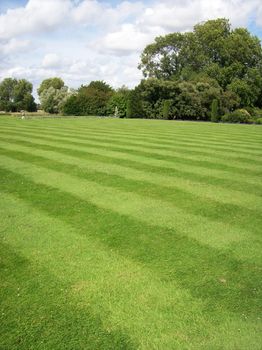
{"points": [[85, 40]]}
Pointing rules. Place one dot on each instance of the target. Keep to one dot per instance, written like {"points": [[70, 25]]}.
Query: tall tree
{"points": [[16, 95], [212, 47], [56, 83]]}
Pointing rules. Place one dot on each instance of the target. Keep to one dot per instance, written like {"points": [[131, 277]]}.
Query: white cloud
{"points": [[14, 46], [83, 40], [129, 38], [37, 15], [51, 60]]}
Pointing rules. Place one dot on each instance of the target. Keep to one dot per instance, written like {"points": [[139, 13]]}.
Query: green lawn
{"points": [[130, 234]]}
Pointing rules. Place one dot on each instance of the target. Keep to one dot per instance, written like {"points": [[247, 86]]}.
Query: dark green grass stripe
{"points": [[174, 129], [157, 248], [182, 137], [176, 133], [165, 141], [126, 145], [186, 143], [144, 145], [30, 323], [148, 127], [154, 156], [211, 209], [233, 184], [203, 190]]}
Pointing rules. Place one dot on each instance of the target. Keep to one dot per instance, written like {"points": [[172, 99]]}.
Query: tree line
{"points": [[212, 73]]}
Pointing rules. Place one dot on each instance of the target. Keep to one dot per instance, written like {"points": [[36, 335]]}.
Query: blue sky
{"points": [[84, 40]]}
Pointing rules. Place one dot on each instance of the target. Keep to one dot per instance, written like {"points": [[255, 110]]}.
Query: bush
{"points": [[238, 116], [258, 121], [214, 111], [166, 109], [71, 106], [134, 106], [118, 100]]}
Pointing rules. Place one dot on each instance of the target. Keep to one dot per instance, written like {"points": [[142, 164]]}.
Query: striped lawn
{"points": [[130, 234]]}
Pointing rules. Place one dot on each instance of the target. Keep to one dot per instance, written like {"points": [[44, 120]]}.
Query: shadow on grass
{"points": [[200, 269], [39, 313]]}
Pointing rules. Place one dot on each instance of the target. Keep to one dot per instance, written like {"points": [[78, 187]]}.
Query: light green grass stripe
{"points": [[187, 142], [156, 314], [178, 132], [192, 151], [166, 128], [154, 153], [195, 130], [254, 180], [150, 211], [201, 190], [180, 135]]}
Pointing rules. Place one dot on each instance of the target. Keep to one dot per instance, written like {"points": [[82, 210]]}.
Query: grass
{"points": [[130, 234]]}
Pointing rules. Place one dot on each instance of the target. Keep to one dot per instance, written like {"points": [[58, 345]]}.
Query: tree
{"points": [[212, 47], [16, 95], [100, 85], [119, 100], [71, 106], [52, 100], [214, 111], [166, 109], [53, 94], [56, 83], [93, 98], [134, 106]]}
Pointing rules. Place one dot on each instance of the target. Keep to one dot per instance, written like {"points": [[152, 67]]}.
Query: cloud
{"points": [[83, 40], [36, 16], [128, 39], [51, 60], [14, 46]]}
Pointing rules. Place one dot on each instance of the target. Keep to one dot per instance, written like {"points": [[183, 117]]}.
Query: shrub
{"points": [[166, 109], [238, 116], [134, 106], [71, 106], [258, 121], [214, 111], [118, 100]]}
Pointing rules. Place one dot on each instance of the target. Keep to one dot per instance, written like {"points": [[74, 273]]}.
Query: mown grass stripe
{"points": [[188, 152], [211, 209], [153, 211], [86, 155], [206, 191], [187, 142], [154, 153], [144, 128], [199, 170], [181, 137], [163, 256]]}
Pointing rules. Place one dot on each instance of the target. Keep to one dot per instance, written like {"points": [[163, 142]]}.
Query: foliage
{"points": [[56, 83], [134, 105], [52, 100], [16, 95], [238, 116], [71, 106], [99, 85], [119, 100], [214, 111], [212, 47], [258, 120], [166, 109]]}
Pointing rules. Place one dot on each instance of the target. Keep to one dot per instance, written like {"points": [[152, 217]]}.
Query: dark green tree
{"points": [[214, 111], [56, 83], [134, 105], [16, 95]]}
